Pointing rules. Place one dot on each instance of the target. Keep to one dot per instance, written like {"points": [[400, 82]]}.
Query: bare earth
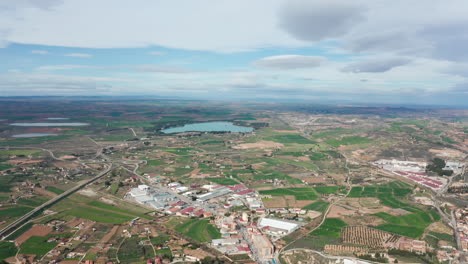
{"points": [[261, 144], [37, 230]]}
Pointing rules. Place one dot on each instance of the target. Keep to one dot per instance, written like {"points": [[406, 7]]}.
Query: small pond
{"points": [[30, 135], [208, 127], [45, 124]]}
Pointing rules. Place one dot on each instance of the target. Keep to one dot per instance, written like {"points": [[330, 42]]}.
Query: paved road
{"points": [[6, 231]]}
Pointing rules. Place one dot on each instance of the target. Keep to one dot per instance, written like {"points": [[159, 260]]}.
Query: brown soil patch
{"points": [[440, 228], [68, 157], [275, 202], [65, 164], [303, 158], [313, 214], [369, 220], [23, 161], [109, 235], [300, 203], [446, 152], [287, 131], [195, 171], [315, 179], [37, 230], [337, 211], [261, 144], [198, 253], [69, 262], [44, 192]]}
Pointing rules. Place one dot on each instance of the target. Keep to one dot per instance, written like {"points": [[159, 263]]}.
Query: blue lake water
{"points": [[57, 118], [45, 124], [208, 127], [30, 135]]}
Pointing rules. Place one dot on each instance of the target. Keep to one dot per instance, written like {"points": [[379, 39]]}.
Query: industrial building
{"points": [[145, 195], [277, 227]]}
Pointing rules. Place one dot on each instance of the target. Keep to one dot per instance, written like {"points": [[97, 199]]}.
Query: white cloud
{"points": [[66, 67], [160, 68], [285, 62], [79, 55], [41, 52], [376, 65], [319, 19]]}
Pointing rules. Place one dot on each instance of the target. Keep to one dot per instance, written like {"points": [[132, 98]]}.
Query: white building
{"points": [[277, 227]]}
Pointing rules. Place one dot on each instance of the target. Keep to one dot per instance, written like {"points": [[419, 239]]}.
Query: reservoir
{"points": [[45, 124], [208, 127], [30, 135]]}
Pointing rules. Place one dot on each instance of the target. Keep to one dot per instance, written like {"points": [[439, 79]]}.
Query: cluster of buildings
{"points": [[434, 183], [241, 235], [414, 171], [176, 199], [461, 217], [148, 196], [401, 165]]}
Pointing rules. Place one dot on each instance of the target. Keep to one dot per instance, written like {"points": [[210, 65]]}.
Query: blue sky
{"points": [[410, 52]]}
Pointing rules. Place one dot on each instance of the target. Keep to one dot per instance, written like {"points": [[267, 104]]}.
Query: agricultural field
{"points": [[298, 193], [289, 138], [131, 251], [326, 189], [348, 141], [200, 230], [301, 155], [366, 236], [331, 227], [319, 206], [7, 249], [37, 245]]}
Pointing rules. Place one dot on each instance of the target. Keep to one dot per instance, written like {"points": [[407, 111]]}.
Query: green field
{"points": [[442, 236], [155, 162], [289, 138], [118, 209], [37, 245], [132, 251], [54, 190], [18, 152], [160, 240], [31, 141], [390, 194], [409, 231], [326, 189], [299, 193], [319, 206], [7, 249], [347, 141], [34, 202], [416, 222], [223, 181], [331, 227], [317, 156], [200, 230], [99, 215], [14, 212], [5, 166]]}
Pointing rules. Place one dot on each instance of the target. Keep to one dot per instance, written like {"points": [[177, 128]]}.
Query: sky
{"points": [[360, 51]]}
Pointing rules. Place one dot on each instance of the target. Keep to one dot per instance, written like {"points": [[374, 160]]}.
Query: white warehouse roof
{"points": [[276, 223]]}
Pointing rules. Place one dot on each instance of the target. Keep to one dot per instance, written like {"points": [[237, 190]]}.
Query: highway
{"points": [[11, 227]]}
